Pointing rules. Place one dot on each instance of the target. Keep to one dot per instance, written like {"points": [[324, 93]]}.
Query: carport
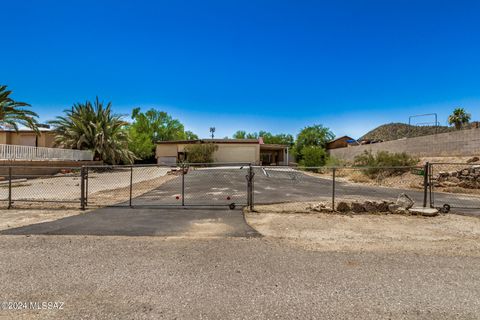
{"points": [[273, 154]]}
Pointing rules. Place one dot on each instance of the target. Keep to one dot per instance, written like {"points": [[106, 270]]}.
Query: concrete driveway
{"points": [[155, 213]]}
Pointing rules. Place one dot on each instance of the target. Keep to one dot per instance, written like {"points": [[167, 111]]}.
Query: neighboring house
{"points": [[342, 142], [27, 137], [229, 151], [26, 144]]}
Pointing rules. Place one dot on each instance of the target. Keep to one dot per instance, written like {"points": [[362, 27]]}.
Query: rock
{"points": [[426, 212], [396, 209], [405, 201], [476, 169], [319, 207], [469, 184], [370, 206], [465, 172], [474, 159], [453, 179], [357, 207], [342, 206], [443, 175], [383, 206]]}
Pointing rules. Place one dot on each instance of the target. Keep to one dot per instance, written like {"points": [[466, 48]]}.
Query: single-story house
{"points": [[27, 137], [342, 142], [229, 151]]}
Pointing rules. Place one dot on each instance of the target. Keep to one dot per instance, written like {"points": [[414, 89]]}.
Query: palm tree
{"points": [[12, 114], [94, 127], [458, 118]]}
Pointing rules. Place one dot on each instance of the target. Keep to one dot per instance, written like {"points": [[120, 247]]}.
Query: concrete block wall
{"points": [[26, 168], [450, 144]]}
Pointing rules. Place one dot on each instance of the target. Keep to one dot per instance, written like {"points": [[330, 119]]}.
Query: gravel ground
{"points": [[160, 278], [442, 235]]}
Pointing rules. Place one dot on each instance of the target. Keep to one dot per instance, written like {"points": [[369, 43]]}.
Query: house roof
{"points": [[233, 141], [246, 141], [340, 138], [24, 130]]}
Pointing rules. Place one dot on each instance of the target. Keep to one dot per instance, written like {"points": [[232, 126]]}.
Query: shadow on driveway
{"points": [[125, 221]]}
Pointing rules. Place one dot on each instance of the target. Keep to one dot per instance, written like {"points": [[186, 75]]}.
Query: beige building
{"points": [[229, 151], [26, 137]]}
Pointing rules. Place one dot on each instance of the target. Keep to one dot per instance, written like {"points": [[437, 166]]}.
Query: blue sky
{"points": [[251, 65]]}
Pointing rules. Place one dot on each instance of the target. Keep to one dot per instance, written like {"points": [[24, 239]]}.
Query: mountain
{"points": [[393, 131]]}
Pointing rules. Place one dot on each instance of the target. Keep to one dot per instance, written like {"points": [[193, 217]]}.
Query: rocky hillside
{"points": [[393, 131]]}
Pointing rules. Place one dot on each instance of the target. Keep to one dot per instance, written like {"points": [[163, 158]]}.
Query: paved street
{"points": [[231, 278]]}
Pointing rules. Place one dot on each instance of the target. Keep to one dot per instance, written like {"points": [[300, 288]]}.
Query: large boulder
{"points": [[396, 209], [383, 206], [370, 206], [405, 201], [357, 207], [343, 206]]}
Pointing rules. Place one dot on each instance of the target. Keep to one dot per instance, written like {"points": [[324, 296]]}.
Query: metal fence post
{"points": [[249, 187], [430, 185], [252, 189], [131, 186], [333, 188], [86, 186], [183, 184], [9, 187], [425, 183], [82, 188]]}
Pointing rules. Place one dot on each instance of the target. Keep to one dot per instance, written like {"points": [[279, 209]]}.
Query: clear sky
{"points": [[251, 65]]}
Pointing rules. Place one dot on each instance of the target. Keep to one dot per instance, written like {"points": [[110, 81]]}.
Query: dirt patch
{"points": [[15, 218], [443, 235], [207, 228]]}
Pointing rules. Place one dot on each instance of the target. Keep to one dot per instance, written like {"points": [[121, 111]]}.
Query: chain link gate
{"points": [[185, 185], [455, 186]]}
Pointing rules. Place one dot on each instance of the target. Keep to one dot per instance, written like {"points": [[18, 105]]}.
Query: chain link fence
{"points": [[455, 185], [27, 186], [327, 188], [238, 185]]}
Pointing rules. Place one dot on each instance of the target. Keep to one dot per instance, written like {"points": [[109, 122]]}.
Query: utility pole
{"points": [[212, 131]]}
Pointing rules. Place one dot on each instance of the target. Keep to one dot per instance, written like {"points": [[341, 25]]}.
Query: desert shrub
{"points": [[200, 153], [313, 156], [384, 163], [331, 161]]}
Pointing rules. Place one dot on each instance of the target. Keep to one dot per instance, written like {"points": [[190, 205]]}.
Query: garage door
{"points": [[167, 160]]}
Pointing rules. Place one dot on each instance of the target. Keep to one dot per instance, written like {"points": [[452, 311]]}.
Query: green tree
{"points": [[458, 118], [152, 126], [200, 153], [189, 135], [94, 127], [240, 134], [12, 112], [315, 135], [313, 156], [282, 138], [267, 137]]}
